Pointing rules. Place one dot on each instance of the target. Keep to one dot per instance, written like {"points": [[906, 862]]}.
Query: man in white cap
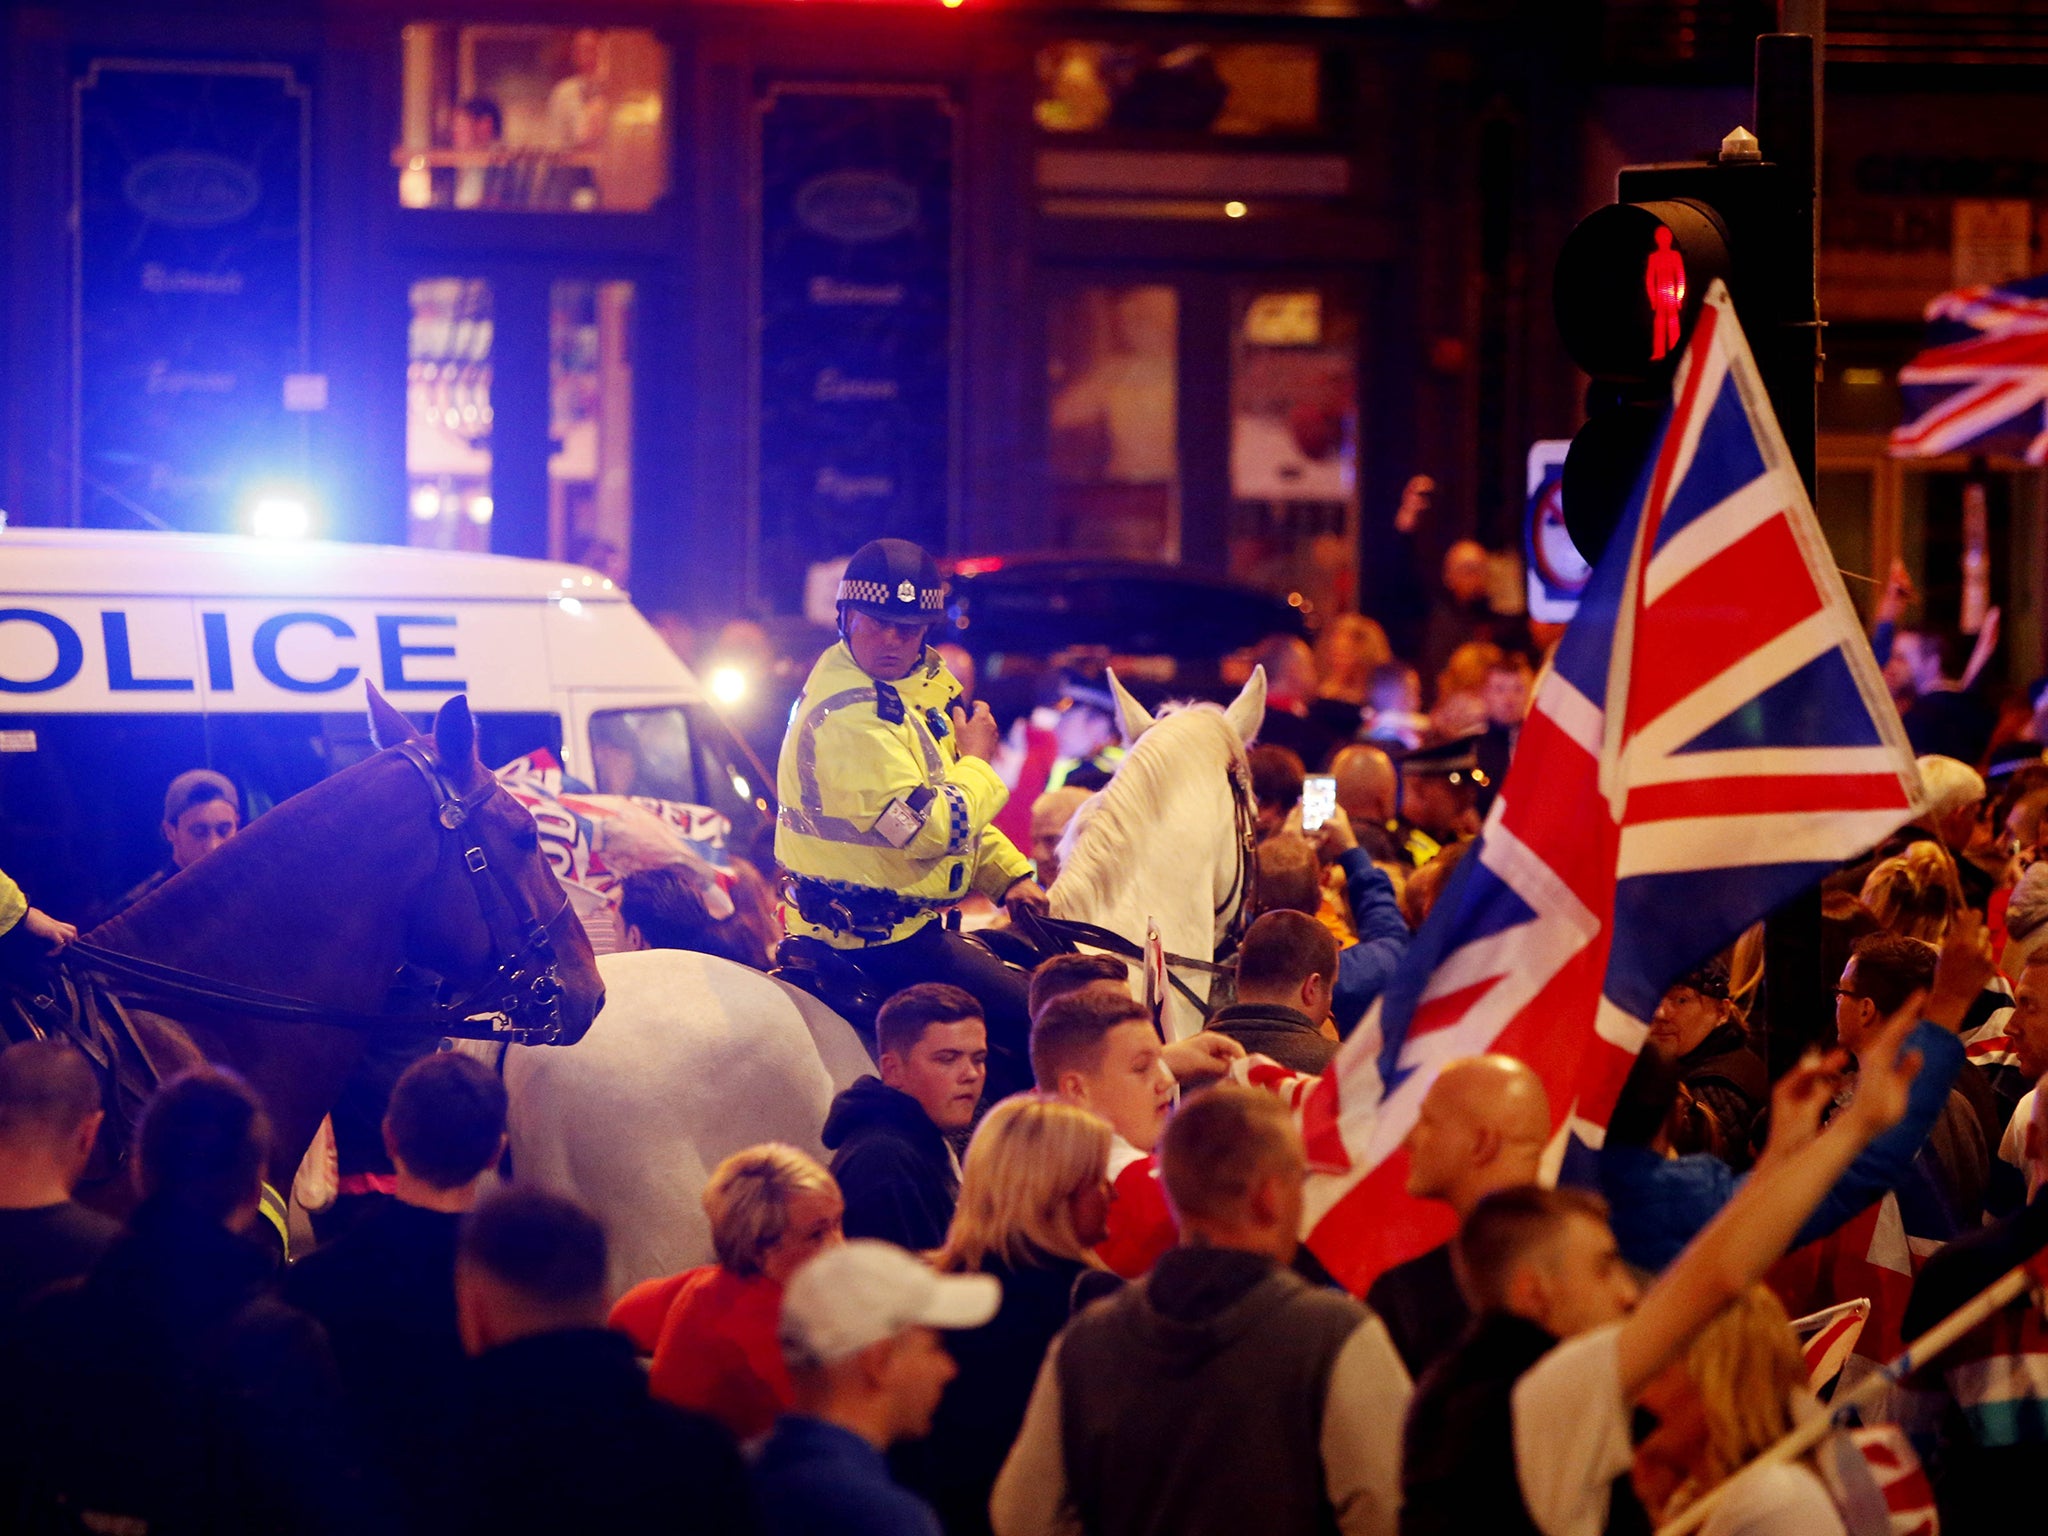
{"points": [[860, 1337]]}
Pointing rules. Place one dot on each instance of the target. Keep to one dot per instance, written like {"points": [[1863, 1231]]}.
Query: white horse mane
{"points": [[1106, 841]]}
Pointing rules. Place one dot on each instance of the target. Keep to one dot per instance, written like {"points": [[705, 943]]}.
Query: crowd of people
{"points": [[1051, 1279]]}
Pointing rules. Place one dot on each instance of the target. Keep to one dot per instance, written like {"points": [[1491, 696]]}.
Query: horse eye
{"points": [[528, 837]]}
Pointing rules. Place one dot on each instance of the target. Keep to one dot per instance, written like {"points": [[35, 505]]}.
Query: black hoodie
{"points": [[893, 1166]]}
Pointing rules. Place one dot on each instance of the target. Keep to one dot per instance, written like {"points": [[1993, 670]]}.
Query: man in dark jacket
{"points": [[1480, 1128], [1311, 1439], [49, 1116], [171, 1389], [201, 811], [888, 1138], [561, 1434], [385, 1289], [1697, 1029], [1286, 970]]}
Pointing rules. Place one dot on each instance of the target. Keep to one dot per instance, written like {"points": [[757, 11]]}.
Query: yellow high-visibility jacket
{"points": [[13, 905], [855, 745]]}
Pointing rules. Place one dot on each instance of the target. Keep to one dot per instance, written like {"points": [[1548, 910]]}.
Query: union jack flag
{"points": [[1712, 737], [1982, 383]]}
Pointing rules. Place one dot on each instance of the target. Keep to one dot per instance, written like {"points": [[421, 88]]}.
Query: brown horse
{"points": [[324, 898]]}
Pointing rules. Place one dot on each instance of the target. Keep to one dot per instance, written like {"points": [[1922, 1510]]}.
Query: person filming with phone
{"points": [[1326, 838]]}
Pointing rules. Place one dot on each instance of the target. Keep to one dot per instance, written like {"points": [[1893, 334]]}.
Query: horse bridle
{"points": [[1244, 888], [518, 1003], [1241, 900], [522, 997]]}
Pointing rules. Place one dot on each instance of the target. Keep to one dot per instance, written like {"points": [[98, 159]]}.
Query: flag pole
{"points": [[1805, 1437]]}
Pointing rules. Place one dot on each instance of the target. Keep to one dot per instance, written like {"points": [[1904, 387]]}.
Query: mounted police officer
{"points": [[887, 795]]}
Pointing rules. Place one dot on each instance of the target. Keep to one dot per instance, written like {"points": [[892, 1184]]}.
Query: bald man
{"points": [[1369, 789], [1482, 1128], [1050, 813]]}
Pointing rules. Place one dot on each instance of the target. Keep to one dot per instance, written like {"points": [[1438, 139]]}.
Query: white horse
{"points": [[1160, 843], [692, 1059]]}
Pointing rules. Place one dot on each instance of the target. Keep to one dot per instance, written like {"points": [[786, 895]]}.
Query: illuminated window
{"points": [[448, 415], [590, 419], [1112, 419], [1294, 445], [1231, 89], [549, 119]]}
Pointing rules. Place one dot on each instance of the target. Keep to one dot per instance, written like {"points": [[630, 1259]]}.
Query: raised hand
{"points": [[1800, 1098], [976, 732], [1898, 591], [1337, 837], [1965, 967]]}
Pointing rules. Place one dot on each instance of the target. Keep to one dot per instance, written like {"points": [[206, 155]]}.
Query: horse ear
{"points": [[1247, 711], [1132, 717], [455, 736], [388, 727]]}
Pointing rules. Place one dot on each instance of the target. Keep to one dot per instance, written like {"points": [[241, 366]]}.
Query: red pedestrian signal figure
{"points": [[1664, 281]]}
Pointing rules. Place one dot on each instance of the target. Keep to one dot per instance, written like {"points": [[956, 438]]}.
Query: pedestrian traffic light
{"points": [[1630, 282]]}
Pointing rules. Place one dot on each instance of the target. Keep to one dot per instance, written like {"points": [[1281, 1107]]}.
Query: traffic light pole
{"points": [[1788, 128]]}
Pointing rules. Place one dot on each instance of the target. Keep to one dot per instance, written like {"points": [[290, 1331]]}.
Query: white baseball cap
{"points": [[862, 1292]]}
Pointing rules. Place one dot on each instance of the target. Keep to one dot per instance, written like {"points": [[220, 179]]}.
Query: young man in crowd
{"points": [[560, 1433], [1286, 973], [49, 1116], [385, 1289], [860, 1337], [1525, 1425], [1952, 1171], [1096, 1047], [1222, 1393], [201, 812], [171, 1390], [1481, 1128], [888, 1135]]}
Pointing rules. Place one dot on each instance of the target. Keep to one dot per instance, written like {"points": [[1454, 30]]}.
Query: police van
{"points": [[126, 658]]}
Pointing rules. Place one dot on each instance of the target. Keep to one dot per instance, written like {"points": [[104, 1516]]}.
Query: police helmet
{"points": [[892, 579]]}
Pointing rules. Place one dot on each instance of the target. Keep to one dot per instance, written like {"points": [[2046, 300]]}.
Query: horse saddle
{"points": [[816, 967]]}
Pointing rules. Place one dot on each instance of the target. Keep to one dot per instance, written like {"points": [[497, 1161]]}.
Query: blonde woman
{"points": [[711, 1330], [1348, 652], [1915, 894], [1739, 1388], [1034, 1200]]}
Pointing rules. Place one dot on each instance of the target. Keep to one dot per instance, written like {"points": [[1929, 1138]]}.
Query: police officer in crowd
{"points": [[887, 795]]}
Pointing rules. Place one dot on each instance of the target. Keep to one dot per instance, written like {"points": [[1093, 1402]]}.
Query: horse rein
{"points": [[520, 1002]]}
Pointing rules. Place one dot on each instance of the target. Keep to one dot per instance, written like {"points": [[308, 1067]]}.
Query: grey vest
{"points": [[1210, 1427]]}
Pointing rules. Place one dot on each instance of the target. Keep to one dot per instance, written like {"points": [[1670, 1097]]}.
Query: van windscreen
{"points": [[645, 752]]}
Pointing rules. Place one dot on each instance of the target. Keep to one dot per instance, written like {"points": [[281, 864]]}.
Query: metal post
{"points": [[1789, 85]]}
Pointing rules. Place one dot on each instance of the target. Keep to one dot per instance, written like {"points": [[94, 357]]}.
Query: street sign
{"points": [[1557, 571]]}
